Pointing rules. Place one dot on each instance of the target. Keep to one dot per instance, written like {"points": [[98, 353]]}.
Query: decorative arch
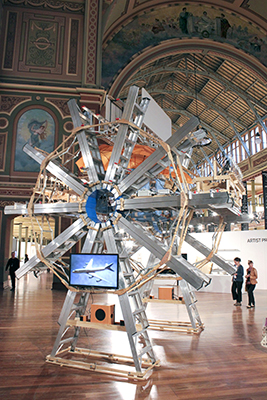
{"points": [[122, 13], [183, 22], [196, 45]]}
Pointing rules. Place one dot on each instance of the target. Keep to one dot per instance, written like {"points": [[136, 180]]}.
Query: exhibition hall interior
{"points": [[133, 199]]}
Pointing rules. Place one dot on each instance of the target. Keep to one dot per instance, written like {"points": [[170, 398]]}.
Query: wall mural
{"points": [[180, 22], [36, 127]]}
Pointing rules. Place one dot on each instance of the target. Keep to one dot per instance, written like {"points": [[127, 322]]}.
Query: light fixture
{"points": [[201, 137], [203, 142], [258, 138]]}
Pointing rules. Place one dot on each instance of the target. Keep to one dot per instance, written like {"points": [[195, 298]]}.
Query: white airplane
{"points": [[92, 272]]}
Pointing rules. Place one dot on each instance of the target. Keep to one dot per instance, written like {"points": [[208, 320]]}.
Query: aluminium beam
{"points": [[196, 200], [211, 199], [47, 208], [77, 228], [231, 214], [130, 325], [177, 263], [121, 134], [152, 202], [206, 252], [158, 154], [90, 239], [83, 143], [66, 235], [62, 173], [110, 242], [215, 220], [65, 311], [132, 137]]}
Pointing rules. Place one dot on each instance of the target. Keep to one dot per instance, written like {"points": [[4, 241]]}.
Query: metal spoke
{"points": [[177, 263], [46, 209], [90, 239], [59, 246], [62, 173], [121, 135], [89, 165], [151, 164]]}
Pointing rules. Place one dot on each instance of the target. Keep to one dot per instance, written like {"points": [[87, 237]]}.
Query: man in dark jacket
{"points": [[237, 282], [13, 265]]}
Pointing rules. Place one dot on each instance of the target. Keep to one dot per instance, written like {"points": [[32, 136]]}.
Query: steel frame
{"points": [[103, 235]]}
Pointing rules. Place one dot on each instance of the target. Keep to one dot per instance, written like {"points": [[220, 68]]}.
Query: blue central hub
{"points": [[100, 205]]}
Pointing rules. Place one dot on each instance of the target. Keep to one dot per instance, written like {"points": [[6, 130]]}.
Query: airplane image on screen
{"points": [[92, 272]]}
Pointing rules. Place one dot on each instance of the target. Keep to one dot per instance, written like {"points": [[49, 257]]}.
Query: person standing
{"points": [[251, 281], [13, 265], [183, 17], [237, 282], [224, 26]]}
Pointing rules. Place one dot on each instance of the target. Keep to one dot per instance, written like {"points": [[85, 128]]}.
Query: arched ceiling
{"points": [[221, 80], [225, 96]]}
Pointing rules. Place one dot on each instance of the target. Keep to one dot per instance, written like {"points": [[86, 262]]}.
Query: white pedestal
{"points": [[219, 284]]}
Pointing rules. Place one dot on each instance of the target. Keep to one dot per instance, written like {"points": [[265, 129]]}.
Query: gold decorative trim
{"points": [[78, 91], [8, 103], [5, 123], [253, 165], [3, 145], [60, 104], [4, 203], [66, 128]]}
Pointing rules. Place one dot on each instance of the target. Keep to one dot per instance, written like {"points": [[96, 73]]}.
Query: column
{"points": [[264, 187], [92, 57], [244, 207], [253, 196]]}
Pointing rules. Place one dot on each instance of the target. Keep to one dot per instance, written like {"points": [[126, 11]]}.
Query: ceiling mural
{"points": [[181, 22]]}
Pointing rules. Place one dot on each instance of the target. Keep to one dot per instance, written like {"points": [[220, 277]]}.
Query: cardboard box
{"points": [[165, 293]]}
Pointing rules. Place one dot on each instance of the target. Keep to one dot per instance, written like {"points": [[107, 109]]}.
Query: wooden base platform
{"points": [[147, 365], [97, 325], [174, 326], [173, 301]]}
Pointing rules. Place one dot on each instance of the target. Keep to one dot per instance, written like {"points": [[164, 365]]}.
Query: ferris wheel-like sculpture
{"points": [[101, 203]]}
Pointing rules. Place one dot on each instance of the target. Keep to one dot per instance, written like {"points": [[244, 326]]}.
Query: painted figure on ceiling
{"points": [[183, 17], [224, 26]]}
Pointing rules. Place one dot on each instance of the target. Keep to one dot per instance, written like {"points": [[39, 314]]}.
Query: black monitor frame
{"points": [[99, 278]]}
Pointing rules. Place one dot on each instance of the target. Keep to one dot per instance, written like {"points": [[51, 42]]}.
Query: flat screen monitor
{"points": [[94, 270]]}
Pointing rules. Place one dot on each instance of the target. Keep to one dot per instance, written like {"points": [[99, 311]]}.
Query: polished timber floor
{"points": [[226, 361]]}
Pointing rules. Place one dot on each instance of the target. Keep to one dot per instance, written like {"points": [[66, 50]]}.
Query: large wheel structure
{"points": [[108, 216], [101, 203]]}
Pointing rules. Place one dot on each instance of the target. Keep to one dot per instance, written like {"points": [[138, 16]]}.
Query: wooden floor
{"points": [[226, 361]]}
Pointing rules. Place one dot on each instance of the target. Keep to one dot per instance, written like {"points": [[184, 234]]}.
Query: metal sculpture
{"points": [[106, 212]]}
